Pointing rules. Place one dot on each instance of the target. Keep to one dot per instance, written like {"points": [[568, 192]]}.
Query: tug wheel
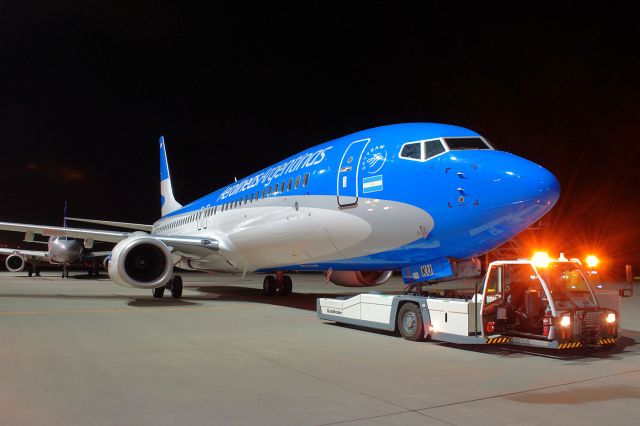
{"points": [[410, 322]]}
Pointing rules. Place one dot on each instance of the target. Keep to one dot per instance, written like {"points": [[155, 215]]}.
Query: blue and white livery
{"points": [[422, 198]]}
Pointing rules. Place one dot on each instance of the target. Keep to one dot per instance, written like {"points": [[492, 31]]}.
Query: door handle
{"points": [[345, 169]]}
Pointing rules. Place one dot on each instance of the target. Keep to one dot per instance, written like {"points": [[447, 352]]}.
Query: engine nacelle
{"points": [[15, 263], [140, 261], [105, 262], [358, 278]]}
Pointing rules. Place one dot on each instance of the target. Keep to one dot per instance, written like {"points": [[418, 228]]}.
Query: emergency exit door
{"points": [[347, 189]]}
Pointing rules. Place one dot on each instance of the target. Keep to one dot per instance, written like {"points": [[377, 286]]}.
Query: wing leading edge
{"points": [[185, 244]]}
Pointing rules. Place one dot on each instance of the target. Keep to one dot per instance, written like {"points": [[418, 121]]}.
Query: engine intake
{"points": [[15, 263], [358, 278], [141, 262]]}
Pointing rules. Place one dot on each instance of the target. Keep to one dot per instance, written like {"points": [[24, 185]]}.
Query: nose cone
{"points": [[544, 186], [529, 183], [510, 188]]}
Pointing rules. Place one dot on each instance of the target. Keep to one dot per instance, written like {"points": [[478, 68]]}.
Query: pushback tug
{"points": [[539, 302]]}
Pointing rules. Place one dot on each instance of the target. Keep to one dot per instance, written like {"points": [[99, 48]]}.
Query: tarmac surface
{"points": [[86, 351]]}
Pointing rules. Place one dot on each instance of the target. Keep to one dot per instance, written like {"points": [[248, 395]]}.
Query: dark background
{"points": [[87, 89]]}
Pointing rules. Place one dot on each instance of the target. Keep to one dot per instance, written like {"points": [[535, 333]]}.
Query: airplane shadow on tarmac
{"points": [[306, 301], [226, 293]]}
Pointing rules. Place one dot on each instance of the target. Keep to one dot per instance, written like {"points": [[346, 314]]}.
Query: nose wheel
{"points": [[279, 284]]}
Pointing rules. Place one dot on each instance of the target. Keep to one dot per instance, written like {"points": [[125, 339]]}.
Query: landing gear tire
{"points": [[30, 272], [176, 287], [158, 292], [410, 322], [269, 285], [287, 286]]}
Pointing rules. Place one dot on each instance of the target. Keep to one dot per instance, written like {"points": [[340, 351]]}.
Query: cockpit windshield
{"points": [[456, 144], [568, 285]]}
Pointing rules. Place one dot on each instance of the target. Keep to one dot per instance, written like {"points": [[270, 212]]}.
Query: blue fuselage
{"points": [[384, 198]]}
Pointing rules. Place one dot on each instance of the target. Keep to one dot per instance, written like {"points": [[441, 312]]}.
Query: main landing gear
{"points": [[174, 286], [94, 269], [33, 269], [280, 284]]}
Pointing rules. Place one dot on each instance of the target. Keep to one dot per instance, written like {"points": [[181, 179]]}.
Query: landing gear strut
{"points": [[94, 269], [65, 271], [174, 286], [280, 284], [32, 269]]}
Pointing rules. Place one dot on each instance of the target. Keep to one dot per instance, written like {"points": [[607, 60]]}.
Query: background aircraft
{"points": [[61, 250], [423, 198]]}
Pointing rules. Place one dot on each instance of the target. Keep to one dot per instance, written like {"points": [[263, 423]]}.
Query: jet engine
{"points": [[140, 261], [358, 278], [15, 263]]}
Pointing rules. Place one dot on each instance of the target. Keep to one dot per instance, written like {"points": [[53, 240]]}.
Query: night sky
{"points": [[87, 89]]}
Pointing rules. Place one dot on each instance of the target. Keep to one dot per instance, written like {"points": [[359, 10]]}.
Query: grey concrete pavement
{"points": [[90, 352]]}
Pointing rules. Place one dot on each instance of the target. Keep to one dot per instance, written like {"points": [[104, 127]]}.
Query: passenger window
{"points": [[215, 209], [264, 191], [289, 185], [270, 190], [305, 181], [433, 148], [297, 182], [247, 198], [282, 187], [412, 151]]}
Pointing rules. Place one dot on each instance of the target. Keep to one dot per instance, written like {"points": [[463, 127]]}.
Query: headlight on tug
{"points": [[566, 321], [611, 317]]}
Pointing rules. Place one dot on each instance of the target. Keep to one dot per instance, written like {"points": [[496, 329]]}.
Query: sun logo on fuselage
{"points": [[374, 159]]}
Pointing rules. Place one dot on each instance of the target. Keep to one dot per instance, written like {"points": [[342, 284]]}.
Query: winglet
{"points": [[168, 203]]}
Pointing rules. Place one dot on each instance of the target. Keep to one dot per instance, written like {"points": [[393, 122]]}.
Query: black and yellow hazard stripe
{"points": [[494, 340], [606, 341], [570, 345]]}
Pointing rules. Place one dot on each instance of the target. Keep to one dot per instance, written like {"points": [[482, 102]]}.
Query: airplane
{"points": [[423, 198], [60, 251]]}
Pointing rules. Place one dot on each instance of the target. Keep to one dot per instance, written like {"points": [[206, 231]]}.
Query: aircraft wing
{"points": [[127, 225], [196, 246], [28, 253], [58, 231]]}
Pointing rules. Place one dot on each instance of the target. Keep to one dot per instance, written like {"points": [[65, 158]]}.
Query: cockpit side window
{"points": [[433, 148], [412, 151], [456, 144]]}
